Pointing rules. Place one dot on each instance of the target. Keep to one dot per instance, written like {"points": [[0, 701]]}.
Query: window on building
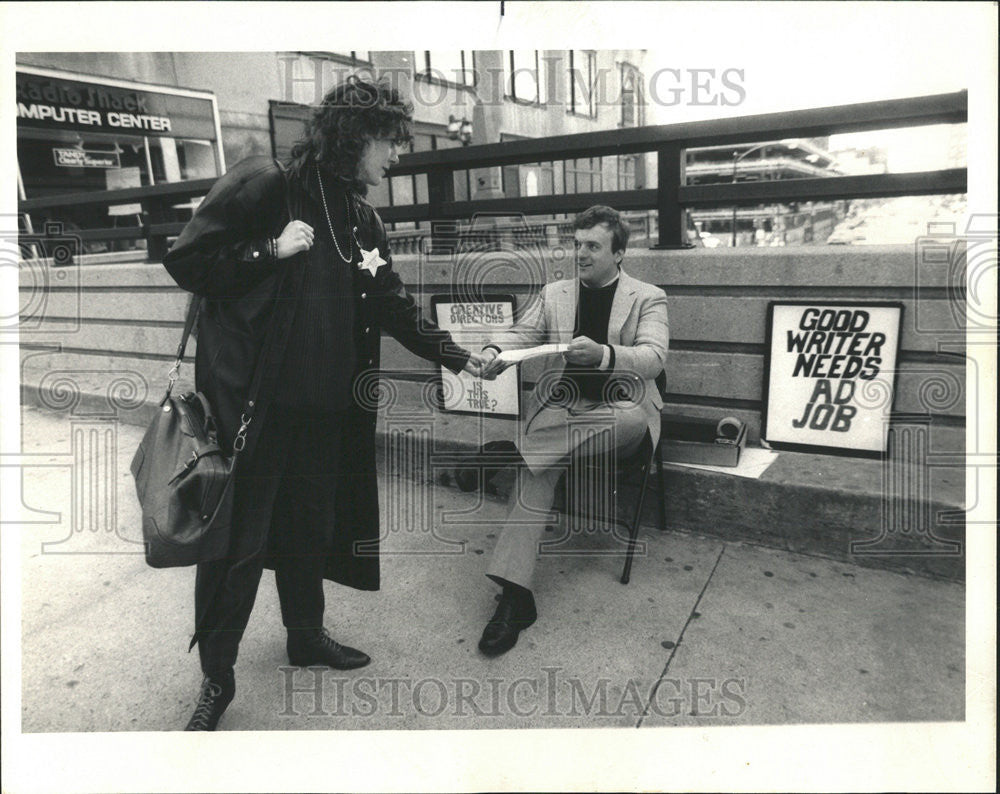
{"points": [[581, 77], [584, 175], [525, 76], [412, 189], [533, 179], [452, 66], [354, 55], [626, 172], [306, 77], [633, 107]]}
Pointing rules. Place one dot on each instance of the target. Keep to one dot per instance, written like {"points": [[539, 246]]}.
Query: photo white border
{"points": [[860, 50]]}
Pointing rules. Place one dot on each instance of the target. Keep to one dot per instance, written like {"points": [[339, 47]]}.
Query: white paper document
{"points": [[517, 356], [753, 463]]}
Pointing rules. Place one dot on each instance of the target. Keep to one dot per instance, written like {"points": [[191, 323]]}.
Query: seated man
{"points": [[616, 328]]}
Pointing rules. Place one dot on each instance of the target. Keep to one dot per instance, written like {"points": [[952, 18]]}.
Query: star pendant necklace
{"points": [[370, 260]]}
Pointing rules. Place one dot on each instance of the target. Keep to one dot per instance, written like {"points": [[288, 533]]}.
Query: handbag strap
{"points": [[194, 309], [239, 442]]}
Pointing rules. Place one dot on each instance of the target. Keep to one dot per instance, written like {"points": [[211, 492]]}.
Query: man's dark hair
{"points": [[349, 116], [611, 218]]}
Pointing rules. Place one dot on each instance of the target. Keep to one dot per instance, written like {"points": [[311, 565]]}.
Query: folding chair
{"points": [[638, 464]]}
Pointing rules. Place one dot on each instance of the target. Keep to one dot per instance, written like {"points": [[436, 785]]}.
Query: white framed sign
{"points": [[474, 324], [830, 375]]}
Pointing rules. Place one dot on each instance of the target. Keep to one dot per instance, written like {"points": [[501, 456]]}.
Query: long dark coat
{"points": [[223, 256]]}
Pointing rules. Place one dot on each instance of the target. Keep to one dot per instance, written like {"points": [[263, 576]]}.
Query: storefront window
{"points": [[77, 136], [181, 160]]}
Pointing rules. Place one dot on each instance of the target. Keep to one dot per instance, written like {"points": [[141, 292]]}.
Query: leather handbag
{"points": [[182, 478]]}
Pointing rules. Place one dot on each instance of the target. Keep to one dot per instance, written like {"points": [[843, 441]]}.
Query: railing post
{"points": [[444, 232], [669, 178], [156, 245]]}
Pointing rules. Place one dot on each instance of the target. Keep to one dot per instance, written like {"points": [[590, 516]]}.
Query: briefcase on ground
{"points": [[706, 441]]}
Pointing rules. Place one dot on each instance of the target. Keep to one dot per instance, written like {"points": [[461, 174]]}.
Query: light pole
{"points": [[460, 130], [788, 143]]}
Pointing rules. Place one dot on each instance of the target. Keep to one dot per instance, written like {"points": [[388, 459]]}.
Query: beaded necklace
{"points": [[329, 223]]}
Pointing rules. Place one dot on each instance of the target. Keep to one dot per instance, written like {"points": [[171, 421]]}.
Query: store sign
{"points": [[472, 325], [55, 103], [831, 375], [80, 158]]}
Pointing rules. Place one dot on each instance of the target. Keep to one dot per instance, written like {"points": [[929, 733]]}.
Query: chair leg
{"points": [[633, 530], [661, 483]]}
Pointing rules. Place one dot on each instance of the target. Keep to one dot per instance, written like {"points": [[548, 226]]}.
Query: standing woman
{"points": [[296, 281]]}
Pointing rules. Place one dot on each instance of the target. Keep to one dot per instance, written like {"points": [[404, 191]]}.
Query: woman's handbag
{"points": [[183, 479]]}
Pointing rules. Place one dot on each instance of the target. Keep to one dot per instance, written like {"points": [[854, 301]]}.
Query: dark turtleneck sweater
{"points": [[592, 316], [322, 353]]}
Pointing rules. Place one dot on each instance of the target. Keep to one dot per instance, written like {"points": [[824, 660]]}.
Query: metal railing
{"points": [[669, 199], [505, 235]]}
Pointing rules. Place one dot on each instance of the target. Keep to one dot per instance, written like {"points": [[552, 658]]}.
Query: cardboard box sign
{"points": [[695, 439]]}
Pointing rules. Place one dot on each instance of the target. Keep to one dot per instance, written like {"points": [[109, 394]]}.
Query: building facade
{"points": [[765, 225], [101, 121]]}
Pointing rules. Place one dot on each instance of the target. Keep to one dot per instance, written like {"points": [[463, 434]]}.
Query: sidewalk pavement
{"points": [[708, 632]]}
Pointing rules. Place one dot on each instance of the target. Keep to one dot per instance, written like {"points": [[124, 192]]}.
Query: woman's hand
{"points": [[297, 237], [493, 365], [475, 364]]}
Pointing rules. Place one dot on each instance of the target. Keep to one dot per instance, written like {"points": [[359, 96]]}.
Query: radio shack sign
{"points": [[55, 103], [831, 375]]}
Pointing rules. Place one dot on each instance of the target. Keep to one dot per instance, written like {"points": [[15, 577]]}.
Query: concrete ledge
{"points": [[806, 503]]}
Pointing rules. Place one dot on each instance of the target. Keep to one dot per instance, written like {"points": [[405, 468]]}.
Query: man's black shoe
{"points": [[316, 647], [515, 612], [217, 692]]}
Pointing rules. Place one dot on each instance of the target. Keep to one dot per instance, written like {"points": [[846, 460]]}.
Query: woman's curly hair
{"points": [[350, 115]]}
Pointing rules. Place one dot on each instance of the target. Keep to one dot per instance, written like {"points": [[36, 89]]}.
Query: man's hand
{"points": [[475, 364], [297, 237], [584, 351], [493, 365]]}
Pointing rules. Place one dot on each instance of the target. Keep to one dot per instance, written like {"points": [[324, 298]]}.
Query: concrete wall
{"points": [[717, 304], [128, 318]]}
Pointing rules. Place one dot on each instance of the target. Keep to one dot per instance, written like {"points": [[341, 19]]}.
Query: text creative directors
{"points": [[100, 108]]}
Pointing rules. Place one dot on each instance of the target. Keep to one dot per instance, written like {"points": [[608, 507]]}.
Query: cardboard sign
{"points": [[473, 324], [830, 380]]}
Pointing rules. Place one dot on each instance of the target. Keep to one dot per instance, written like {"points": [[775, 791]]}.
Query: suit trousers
{"points": [[553, 437], [287, 485]]}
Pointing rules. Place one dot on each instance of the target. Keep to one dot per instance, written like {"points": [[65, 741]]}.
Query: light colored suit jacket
{"points": [[637, 330]]}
